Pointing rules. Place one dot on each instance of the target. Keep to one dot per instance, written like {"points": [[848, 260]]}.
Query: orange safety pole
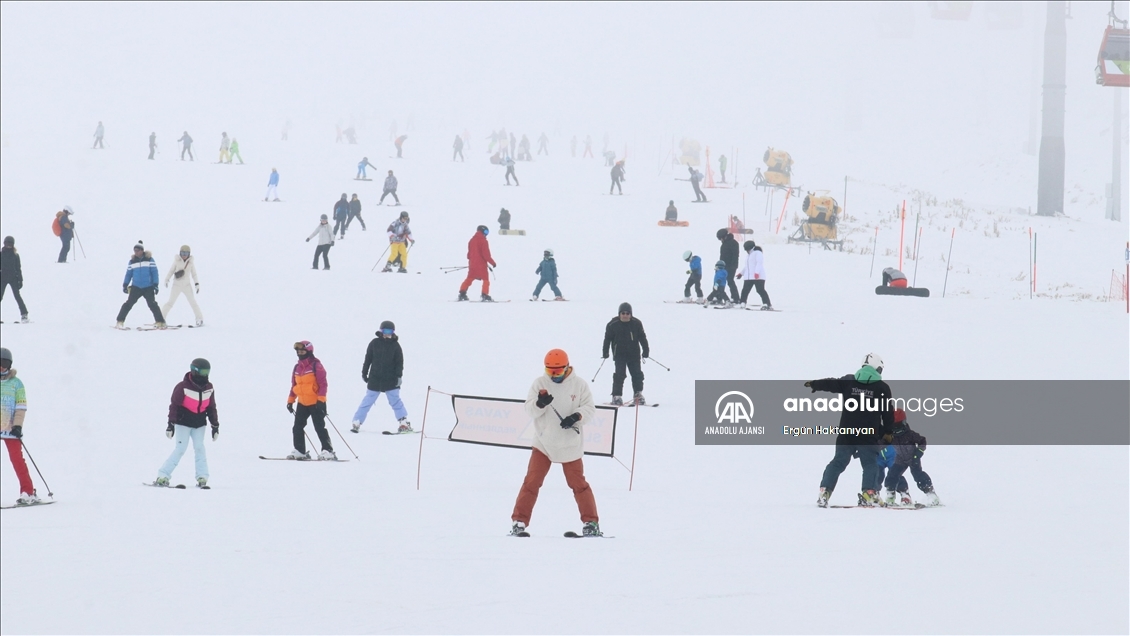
{"points": [[423, 427], [709, 170], [788, 193], [902, 230]]}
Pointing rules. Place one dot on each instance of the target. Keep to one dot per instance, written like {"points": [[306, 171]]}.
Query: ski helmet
{"points": [[200, 367], [748, 245], [483, 229], [549, 253], [386, 324], [404, 215], [900, 416], [556, 359], [721, 234], [325, 218], [687, 255], [9, 241], [720, 265], [874, 361], [184, 249], [5, 354]]}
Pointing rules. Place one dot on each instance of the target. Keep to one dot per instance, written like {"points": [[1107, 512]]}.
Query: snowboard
{"points": [[573, 535], [42, 503], [154, 485], [920, 292], [512, 232], [674, 223], [360, 179]]}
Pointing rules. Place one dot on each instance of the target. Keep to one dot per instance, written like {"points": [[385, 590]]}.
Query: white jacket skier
{"points": [[572, 395], [754, 266], [183, 266]]}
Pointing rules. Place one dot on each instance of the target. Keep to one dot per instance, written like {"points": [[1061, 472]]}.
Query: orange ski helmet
{"points": [[556, 363]]}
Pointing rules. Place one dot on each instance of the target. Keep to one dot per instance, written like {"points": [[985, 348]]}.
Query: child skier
{"points": [[142, 273], [13, 408], [308, 387], [560, 403], [12, 274], [381, 371], [183, 266], [548, 270], [718, 293], [399, 236], [325, 242], [909, 447], [193, 405], [754, 275], [694, 278]]}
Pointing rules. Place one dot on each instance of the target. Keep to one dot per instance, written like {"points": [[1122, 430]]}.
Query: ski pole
{"points": [[659, 363], [24, 446], [379, 259], [558, 414], [448, 270], [79, 241], [342, 437], [602, 361]]}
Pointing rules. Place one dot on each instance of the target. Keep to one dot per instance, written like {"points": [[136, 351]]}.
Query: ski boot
{"points": [[405, 426], [561, 298], [401, 271], [486, 298], [741, 305], [617, 400], [767, 308], [24, 319], [201, 482], [591, 529], [518, 530], [162, 481], [356, 427], [904, 500], [199, 323], [868, 499], [120, 325], [462, 296], [328, 455], [160, 325], [889, 498], [639, 399], [387, 268], [533, 299], [932, 498], [299, 455], [27, 499], [822, 499], [685, 301]]}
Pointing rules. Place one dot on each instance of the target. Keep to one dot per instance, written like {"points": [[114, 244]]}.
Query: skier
{"points": [[866, 385], [235, 151], [718, 289], [355, 213], [754, 275], [390, 188], [180, 269], [504, 219], [381, 372], [509, 163], [400, 146], [186, 146], [98, 133], [340, 215], [696, 177], [672, 214], [694, 278], [225, 146], [626, 337], [560, 404], [142, 273], [728, 252], [308, 388], [548, 270], [325, 242], [478, 260], [617, 177], [13, 409], [399, 236], [543, 145], [361, 174], [588, 147], [66, 231], [273, 186], [893, 278], [12, 274], [192, 406], [909, 447], [457, 148], [722, 161], [152, 144]]}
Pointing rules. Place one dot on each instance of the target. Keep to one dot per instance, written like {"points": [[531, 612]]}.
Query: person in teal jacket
{"points": [[142, 281], [548, 270]]}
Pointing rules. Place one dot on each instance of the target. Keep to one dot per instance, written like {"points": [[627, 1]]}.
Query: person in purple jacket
{"points": [[909, 447], [193, 405]]}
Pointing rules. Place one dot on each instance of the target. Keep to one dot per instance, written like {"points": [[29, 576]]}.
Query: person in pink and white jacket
{"points": [[193, 405]]}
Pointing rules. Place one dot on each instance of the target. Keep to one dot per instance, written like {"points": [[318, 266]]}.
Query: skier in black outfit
{"points": [[382, 372], [626, 337], [152, 144], [866, 385], [66, 231], [504, 219], [354, 213], [186, 146], [909, 447], [458, 148], [341, 215], [617, 177], [12, 274], [729, 253]]}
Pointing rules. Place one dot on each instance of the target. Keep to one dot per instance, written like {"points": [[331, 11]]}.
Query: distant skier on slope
{"points": [[13, 410], [560, 404], [457, 149], [225, 149], [548, 270], [390, 188], [12, 274], [478, 262], [186, 146], [696, 177], [152, 145], [617, 177], [399, 143], [722, 161], [66, 231], [235, 151], [543, 145], [192, 406], [381, 372], [142, 281], [399, 236], [272, 186], [325, 242], [355, 212], [99, 132], [308, 388], [340, 215], [625, 336], [183, 266], [361, 165], [509, 163]]}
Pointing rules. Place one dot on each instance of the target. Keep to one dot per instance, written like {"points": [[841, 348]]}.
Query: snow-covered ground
{"points": [[1032, 539]]}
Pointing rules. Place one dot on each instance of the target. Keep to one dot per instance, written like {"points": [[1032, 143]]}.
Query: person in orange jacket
{"points": [[478, 258], [308, 388]]}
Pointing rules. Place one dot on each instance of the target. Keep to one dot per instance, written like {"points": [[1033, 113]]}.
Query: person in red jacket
{"points": [[478, 260]]}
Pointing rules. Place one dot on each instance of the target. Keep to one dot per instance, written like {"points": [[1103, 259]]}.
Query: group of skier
{"points": [[142, 282], [726, 273]]}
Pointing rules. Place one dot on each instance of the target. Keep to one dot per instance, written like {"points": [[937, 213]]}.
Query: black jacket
{"points": [[341, 209], [882, 420], [729, 253], [626, 339], [907, 443], [10, 269], [384, 364]]}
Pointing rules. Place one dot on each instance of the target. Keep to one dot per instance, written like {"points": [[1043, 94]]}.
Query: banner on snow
{"points": [[503, 422]]}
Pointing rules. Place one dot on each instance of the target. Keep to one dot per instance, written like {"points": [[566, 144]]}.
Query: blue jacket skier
{"points": [[361, 168], [548, 270], [694, 278], [142, 281], [718, 293]]}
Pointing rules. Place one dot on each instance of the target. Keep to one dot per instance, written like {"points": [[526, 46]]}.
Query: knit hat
{"points": [[9, 241], [626, 308], [140, 245]]}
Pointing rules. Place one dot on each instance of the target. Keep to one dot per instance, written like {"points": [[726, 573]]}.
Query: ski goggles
{"points": [[387, 332], [556, 372], [199, 371], [184, 253], [299, 347]]}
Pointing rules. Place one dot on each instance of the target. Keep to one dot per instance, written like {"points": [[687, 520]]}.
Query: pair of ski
{"points": [[27, 505], [145, 328], [733, 306], [628, 405], [290, 459], [550, 300], [174, 487], [485, 302], [569, 535], [916, 506]]}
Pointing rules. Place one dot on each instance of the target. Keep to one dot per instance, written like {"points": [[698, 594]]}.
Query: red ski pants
{"points": [[535, 475], [472, 278], [16, 454]]}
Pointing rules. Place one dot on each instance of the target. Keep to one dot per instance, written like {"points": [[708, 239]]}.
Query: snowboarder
{"points": [[340, 215], [186, 146], [66, 231], [192, 406], [142, 281], [718, 288], [273, 186], [504, 219], [152, 144], [181, 268], [672, 214], [399, 236], [13, 409], [588, 147], [98, 133], [617, 177], [543, 145], [399, 143], [308, 388], [235, 151], [909, 447], [866, 385], [754, 275], [390, 188], [225, 149], [355, 213], [722, 161], [478, 261], [509, 163], [364, 163], [325, 242], [624, 334], [12, 274], [381, 372], [728, 252], [696, 177], [457, 148], [560, 404], [893, 278], [548, 270], [694, 276]]}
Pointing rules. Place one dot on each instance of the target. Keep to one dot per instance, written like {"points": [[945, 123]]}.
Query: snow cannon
{"points": [[820, 226]]}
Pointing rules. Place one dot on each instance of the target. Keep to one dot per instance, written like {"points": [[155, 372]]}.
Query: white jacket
{"points": [[181, 265], [754, 266], [560, 445], [324, 232]]}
